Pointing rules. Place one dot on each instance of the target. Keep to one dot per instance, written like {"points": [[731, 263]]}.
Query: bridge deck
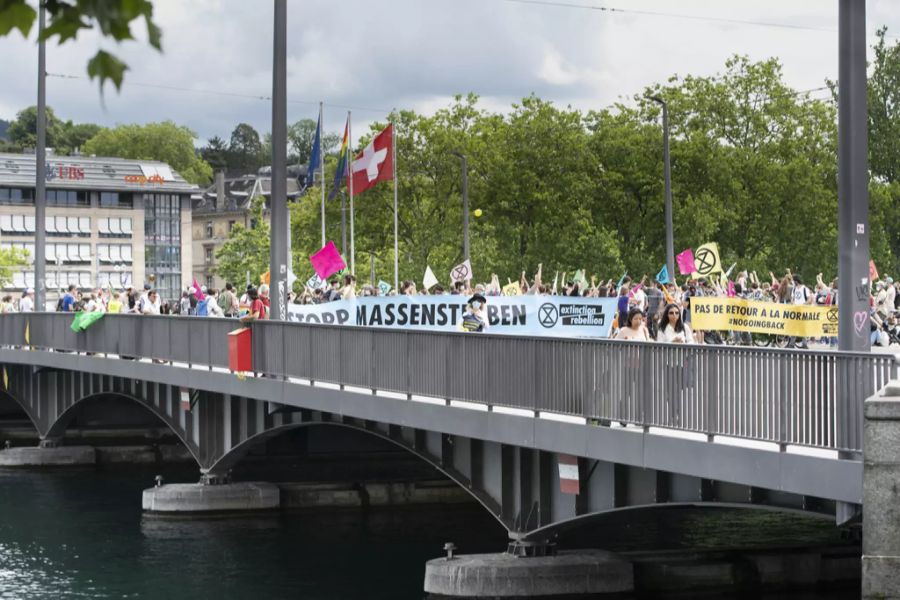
{"points": [[786, 397]]}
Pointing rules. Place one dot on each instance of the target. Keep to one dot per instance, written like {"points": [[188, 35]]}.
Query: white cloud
{"points": [[418, 54]]}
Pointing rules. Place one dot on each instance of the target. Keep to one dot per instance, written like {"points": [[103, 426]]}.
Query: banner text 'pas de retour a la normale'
{"points": [[736, 314], [556, 316]]}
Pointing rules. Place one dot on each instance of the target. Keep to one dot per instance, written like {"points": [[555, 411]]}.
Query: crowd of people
{"points": [[646, 309]]}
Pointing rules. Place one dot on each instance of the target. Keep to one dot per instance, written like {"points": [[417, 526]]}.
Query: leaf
{"points": [[106, 66], [16, 14]]}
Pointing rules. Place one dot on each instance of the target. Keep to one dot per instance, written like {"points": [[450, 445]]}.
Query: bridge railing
{"points": [[807, 398]]}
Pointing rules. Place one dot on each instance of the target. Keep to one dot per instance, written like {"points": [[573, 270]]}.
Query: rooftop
{"points": [[93, 173]]}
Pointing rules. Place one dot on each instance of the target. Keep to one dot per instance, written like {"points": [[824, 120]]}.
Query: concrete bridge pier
{"points": [[48, 453], [212, 494], [509, 575], [881, 496]]}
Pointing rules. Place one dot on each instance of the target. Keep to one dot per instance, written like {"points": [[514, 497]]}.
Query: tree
{"points": [[166, 142], [301, 136], [884, 110], [76, 134], [245, 149], [246, 249], [22, 131], [62, 136], [10, 260], [112, 18], [215, 152]]}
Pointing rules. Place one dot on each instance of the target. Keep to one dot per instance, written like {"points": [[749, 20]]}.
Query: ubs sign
{"points": [[64, 172]]}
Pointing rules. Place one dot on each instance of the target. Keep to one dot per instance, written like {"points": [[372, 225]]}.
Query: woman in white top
{"points": [[672, 329], [634, 329]]}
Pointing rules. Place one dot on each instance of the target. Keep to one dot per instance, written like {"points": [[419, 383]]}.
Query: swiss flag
{"points": [[375, 163]]}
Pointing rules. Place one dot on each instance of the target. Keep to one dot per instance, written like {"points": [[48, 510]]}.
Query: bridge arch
{"points": [[585, 520], [239, 451], [26, 408], [58, 427]]}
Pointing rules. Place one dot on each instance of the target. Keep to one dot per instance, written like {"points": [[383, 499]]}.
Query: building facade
{"points": [[109, 221], [218, 209]]}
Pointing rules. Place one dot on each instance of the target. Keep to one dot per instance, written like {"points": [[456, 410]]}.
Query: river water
{"points": [[80, 534]]}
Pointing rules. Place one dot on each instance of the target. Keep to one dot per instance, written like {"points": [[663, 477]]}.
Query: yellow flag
{"points": [[27, 334], [5, 379], [706, 258]]}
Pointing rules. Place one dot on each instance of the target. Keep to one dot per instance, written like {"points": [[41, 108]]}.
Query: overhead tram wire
{"points": [[654, 13], [173, 88]]}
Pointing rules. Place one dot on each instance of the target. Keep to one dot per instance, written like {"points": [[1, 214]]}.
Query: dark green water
{"points": [[80, 534]]}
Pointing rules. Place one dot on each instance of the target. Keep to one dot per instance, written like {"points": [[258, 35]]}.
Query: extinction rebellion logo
{"points": [[573, 315]]}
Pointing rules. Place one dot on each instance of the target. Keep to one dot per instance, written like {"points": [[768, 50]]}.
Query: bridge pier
{"points": [[881, 496], [48, 453], [503, 575], [212, 494]]}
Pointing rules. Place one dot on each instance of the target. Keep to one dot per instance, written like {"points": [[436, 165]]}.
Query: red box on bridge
{"points": [[240, 350]]}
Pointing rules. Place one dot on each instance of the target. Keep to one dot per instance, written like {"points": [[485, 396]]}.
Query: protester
{"points": [[474, 320], [634, 329], [26, 302], [672, 328], [150, 304], [212, 303]]}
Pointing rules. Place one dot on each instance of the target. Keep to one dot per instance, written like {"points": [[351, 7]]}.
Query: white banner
{"points": [[552, 316]]}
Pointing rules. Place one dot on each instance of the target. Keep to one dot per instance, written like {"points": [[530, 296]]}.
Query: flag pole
{"points": [[350, 187], [396, 243], [322, 165]]}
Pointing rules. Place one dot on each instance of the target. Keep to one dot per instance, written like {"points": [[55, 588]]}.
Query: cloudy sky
{"points": [[371, 56]]}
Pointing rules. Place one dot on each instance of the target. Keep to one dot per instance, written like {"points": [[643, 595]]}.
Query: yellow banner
{"points": [[735, 314]]}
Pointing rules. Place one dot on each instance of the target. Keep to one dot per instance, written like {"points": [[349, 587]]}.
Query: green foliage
{"points": [[62, 136], [66, 19], [246, 249], [10, 260], [884, 110], [301, 136], [245, 151], [753, 164], [166, 142]]}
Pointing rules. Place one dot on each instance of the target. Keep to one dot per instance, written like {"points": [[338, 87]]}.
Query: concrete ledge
{"points": [[198, 498], [880, 577], [885, 407], [34, 456], [505, 576]]}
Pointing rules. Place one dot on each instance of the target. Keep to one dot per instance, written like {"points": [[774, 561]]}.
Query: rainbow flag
{"points": [[343, 164]]}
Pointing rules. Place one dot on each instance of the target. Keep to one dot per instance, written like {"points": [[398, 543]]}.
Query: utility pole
{"points": [[465, 198], [853, 180], [279, 258], [40, 180], [667, 168]]}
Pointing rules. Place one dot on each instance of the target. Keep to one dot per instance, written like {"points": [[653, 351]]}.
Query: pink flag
{"points": [[198, 294], [632, 291], [731, 292], [327, 261], [685, 262]]}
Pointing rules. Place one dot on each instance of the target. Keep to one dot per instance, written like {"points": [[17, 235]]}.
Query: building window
{"points": [[116, 200], [230, 226], [162, 236], [252, 223], [209, 256], [16, 196], [67, 198], [209, 282], [209, 229]]}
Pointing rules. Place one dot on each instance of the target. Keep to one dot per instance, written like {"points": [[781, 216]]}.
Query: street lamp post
{"points": [[670, 235], [40, 167], [279, 255], [465, 199]]}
